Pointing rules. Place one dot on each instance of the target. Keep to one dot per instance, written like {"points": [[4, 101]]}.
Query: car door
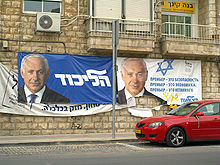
{"points": [[206, 127]]}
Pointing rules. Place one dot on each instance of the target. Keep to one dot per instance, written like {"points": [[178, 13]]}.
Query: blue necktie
{"points": [[32, 98]]}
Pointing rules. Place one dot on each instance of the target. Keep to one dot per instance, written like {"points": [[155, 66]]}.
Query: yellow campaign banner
{"points": [[176, 6]]}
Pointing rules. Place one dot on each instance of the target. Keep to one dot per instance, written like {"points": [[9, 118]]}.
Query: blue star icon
{"points": [[163, 69]]}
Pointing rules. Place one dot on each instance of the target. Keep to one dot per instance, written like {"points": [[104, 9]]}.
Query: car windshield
{"points": [[184, 109]]}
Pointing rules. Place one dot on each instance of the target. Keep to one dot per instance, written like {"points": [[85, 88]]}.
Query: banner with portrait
{"points": [[9, 101], [169, 81], [81, 79]]}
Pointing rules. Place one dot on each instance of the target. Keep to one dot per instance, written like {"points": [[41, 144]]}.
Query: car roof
{"points": [[205, 101]]}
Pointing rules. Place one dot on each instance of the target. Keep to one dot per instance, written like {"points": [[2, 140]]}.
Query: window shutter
{"points": [[107, 8], [137, 9]]}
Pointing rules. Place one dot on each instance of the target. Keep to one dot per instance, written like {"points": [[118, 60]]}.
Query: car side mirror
{"points": [[199, 114]]}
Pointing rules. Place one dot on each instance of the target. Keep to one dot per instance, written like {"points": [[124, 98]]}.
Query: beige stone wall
{"points": [[18, 28], [12, 125], [209, 12], [218, 12], [203, 12], [210, 80]]}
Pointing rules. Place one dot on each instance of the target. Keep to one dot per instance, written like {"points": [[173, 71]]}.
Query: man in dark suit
{"points": [[122, 98], [134, 74], [35, 71]]}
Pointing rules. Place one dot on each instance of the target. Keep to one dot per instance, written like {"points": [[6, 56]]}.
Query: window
{"points": [[184, 109], [107, 9], [135, 15], [121, 9], [210, 109], [176, 25], [49, 6], [137, 10]]}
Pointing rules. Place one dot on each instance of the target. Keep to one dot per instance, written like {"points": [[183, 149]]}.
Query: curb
{"points": [[69, 142]]}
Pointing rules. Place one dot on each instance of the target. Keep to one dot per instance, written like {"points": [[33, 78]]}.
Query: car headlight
{"points": [[155, 124]]}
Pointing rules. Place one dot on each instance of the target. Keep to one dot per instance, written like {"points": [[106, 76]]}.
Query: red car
{"points": [[192, 121]]}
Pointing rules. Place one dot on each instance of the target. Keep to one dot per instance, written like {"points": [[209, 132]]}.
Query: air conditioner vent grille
{"points": [[48, 22], [45, 22]]}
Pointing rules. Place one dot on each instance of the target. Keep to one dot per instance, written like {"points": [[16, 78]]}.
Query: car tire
{"points": [[176, 137]]}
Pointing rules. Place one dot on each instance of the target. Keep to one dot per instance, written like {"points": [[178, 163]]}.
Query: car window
{"points": [[184, 109], [209, 109]]}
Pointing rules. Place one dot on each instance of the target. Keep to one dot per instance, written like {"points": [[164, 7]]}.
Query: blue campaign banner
{"points": [[80, 78]]}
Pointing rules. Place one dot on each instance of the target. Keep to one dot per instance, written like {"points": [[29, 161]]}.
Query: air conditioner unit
{"points": [[47, 22]]}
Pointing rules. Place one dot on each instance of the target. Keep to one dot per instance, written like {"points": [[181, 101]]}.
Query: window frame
{"points": [[123, 13], [34, 12], [185, 15]]}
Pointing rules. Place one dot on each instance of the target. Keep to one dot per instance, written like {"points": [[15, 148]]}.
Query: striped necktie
{"points": [[32, 98], [131, 101]]}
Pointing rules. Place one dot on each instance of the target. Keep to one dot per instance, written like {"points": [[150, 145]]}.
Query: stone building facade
{"points": [[17, 32]]}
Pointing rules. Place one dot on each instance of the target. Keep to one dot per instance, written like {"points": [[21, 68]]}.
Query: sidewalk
{"points": [[67, 138]]}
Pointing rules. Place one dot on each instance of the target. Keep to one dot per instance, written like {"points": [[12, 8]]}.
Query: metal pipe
{"points": [[217, 11], [151, 10], [115, 25], [60, 42]]}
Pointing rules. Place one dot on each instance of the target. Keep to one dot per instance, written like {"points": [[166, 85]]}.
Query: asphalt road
{"points": [[136, 153]]}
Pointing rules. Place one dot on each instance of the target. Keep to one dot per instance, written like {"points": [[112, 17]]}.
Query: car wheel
{"points": [[175, 137]]}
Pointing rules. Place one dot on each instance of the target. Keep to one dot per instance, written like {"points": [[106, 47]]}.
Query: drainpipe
{"points": [[151, 10], [217, 24], [217, 12]]}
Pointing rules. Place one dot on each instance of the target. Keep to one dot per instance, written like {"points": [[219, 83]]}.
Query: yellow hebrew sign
{"points": [[176, 6]]}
